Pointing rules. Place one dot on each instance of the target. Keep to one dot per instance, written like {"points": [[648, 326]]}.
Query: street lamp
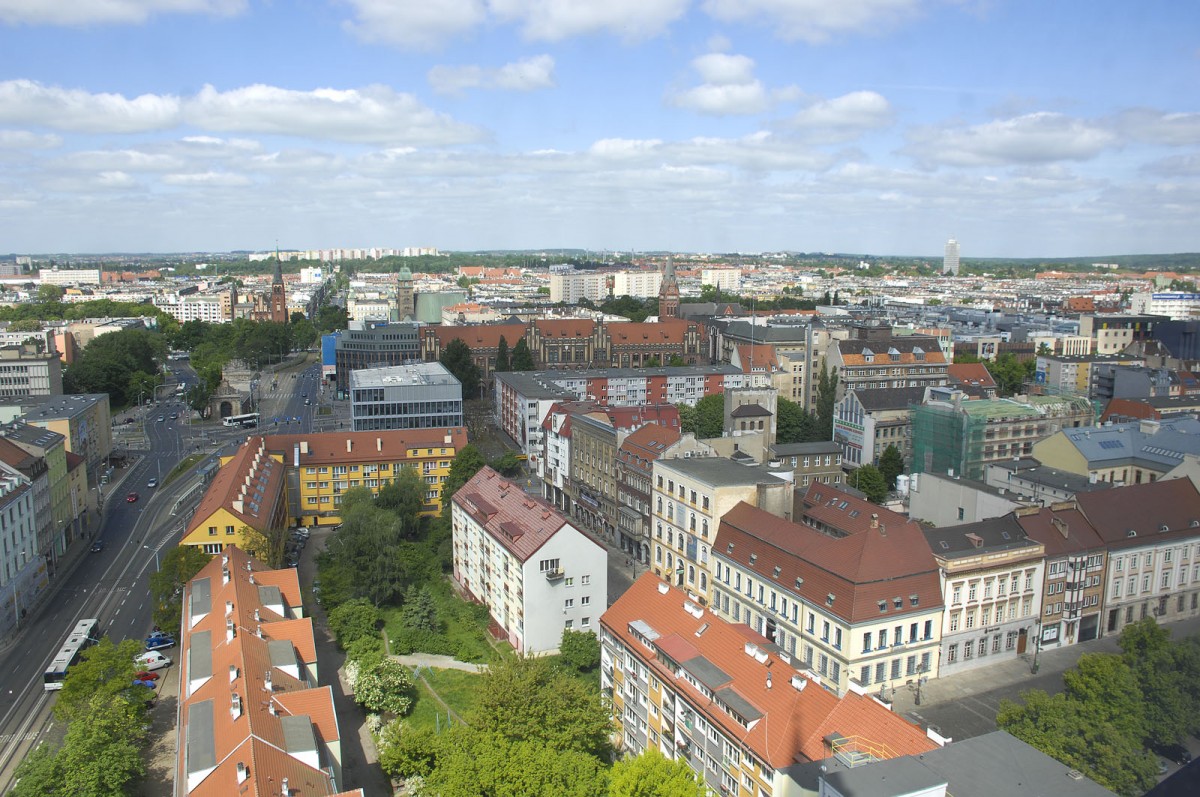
{"points": [[157, 567], [1037, 648]]}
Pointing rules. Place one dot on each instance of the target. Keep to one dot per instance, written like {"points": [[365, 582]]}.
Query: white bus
{"points": [[82, 637], [249, 419]]}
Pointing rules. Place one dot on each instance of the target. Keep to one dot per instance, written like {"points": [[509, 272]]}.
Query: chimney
{"points": [[258, 631], [1059, 524], [267, 680], [349, 445], [874, 520], [286, 791], [768, 679], [242, 772], [256, 617]]}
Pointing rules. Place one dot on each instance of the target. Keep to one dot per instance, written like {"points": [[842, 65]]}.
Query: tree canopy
{"points": [[891, 465], [870, 481], [177, 567], [652, 774], [522, 357], [827, 385], [705, 419], [457, 359]]}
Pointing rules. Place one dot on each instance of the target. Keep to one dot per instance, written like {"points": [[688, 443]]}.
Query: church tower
{"points": [[279, 313], [405, 301], [668, 293]]}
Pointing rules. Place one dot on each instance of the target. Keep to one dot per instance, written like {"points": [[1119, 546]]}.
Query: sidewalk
{"points": [[1014, 675], [437, 662]]}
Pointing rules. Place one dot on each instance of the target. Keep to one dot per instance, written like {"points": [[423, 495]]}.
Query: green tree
{"points": [[105, 364], [687, 418], [579, 650], [50, 293], [1107, 688], [891, 465], [39, 774], [304, 334], [1010, 373], [104, 669], [793, 423], [177, 567], [522, 699], [707, 418], [331, 318], [652, 362], [457, 359], [383, 685], [870, 481], [506, 464], [502, 360], [406, 752], [652, 774], [1165, 676], [463, 468], [522, 357], [471, 763], [405, 496], [353, 620], [1063, 729], [265, 546], [101, 755], [420, 611], [676, 361], [827, 386]]}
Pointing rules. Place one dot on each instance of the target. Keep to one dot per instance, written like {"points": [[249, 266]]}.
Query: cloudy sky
{"points": [[1020, 127]]}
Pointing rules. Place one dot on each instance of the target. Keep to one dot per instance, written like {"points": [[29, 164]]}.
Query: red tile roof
{"points": [[520, 522], [667, 331], [1072, 533], [481, 336], [794, 722], [648, 443], [760, 356], [226, 489], [331, 448], [975, 374], [566, 327], [250, 731], [859, 571]]}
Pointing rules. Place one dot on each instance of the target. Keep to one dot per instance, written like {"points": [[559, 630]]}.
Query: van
{"points": [[152, 660]]}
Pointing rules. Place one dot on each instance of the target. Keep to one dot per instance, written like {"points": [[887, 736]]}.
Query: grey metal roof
{"points": [[994, 534], [888, 398], [201, 597], [738, 704], [30, 435], [1157, 444], [270, 595], [999, 764], [200, 656], [201, 750], [749, 411], [63, 406], [298, 735], [281, 653], [706, 672], [745, 331], [1046, 476]]}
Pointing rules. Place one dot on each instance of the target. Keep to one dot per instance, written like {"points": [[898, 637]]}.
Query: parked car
{"points": [[152, 483], [140, 682], [159, 642], [132, 498], [1175, 752], [98, 545], [146, 675], [152, 660]]}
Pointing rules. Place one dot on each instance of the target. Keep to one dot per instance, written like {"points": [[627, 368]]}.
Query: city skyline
{"points": [[1021, 129]]}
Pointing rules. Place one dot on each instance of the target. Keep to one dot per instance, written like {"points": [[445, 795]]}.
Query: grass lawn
{"points": [[456, 687], [465, 624], [181, 467]]}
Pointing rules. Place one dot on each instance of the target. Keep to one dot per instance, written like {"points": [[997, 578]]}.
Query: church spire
{"points": [[668, 293]]}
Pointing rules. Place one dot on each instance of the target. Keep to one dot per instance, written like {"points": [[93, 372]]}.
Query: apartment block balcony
{"points": [[553, 575]]}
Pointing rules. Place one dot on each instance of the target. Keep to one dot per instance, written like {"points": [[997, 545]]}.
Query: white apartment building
{"points": [[208, 308], [20, 564], [640, 284], [1177, 306], [992, 577], [69, 276], [729, 280], [571, 286], [525, 561]]}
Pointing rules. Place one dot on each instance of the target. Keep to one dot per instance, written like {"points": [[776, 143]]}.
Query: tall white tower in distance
{"points": [[950, 260]]}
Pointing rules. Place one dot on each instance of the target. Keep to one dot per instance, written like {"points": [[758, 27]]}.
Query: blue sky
{"points": [[1021, 128]]}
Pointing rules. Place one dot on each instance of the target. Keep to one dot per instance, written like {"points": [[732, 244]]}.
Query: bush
{"points": [[411, 640], [406, 752], [365, 647], [354, 620], [580, 650], [383, 685]]}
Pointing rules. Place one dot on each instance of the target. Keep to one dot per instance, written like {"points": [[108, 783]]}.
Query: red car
{"points": [[145, 675], [132, 498]]}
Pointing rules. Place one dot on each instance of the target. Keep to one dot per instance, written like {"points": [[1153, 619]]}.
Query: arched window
{"points": [[703, 581], [691, 574]]}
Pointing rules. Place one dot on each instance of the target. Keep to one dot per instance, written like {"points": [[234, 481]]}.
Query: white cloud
{"points": [[123, 160], [31, 103], [372, 115], [528, 74], [210, 178], [554, 20], [1156, 127], [1034, 138], [813, 21], [843, 117], [89, 12], [729, 88], [23, 139], [417, 25]]}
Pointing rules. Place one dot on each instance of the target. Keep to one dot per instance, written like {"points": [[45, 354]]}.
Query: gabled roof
{"points": [[750, 411], [647, 443], [565, 328], [665, 331], [861, 571], [520, 522], [1163, 509], [981, 538], [245, 698], [1062, 529], [759, 357], [392, 445], [1158, 445], [252, 503], [878, 399], [975, 374], [909, 350], [478, 336], [781, 723]]}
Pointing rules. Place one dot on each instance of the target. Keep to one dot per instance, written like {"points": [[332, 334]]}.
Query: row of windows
{"points": [[885, 671], [1147, 559], [982, 646], [1005, 584], [985, 614]]}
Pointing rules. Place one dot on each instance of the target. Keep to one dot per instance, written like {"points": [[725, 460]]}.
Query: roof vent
{"points": [[1130, 533], [799, 582], [1164, 527], [829, 599], [233, 673], [662, 588], [1075, 774]]}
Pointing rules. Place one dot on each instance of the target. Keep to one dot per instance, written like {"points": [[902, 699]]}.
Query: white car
{"points": [[153, 660]]}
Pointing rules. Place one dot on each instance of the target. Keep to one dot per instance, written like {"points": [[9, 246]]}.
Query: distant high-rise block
{"points": [[950, 261]]}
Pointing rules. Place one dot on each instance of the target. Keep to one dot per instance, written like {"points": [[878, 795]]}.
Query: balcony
{"points": [[553, 575]]}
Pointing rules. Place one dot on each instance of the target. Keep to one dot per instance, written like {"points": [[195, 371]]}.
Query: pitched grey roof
{"points": [[889, 398], [973, 539], [1160, 445]]}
